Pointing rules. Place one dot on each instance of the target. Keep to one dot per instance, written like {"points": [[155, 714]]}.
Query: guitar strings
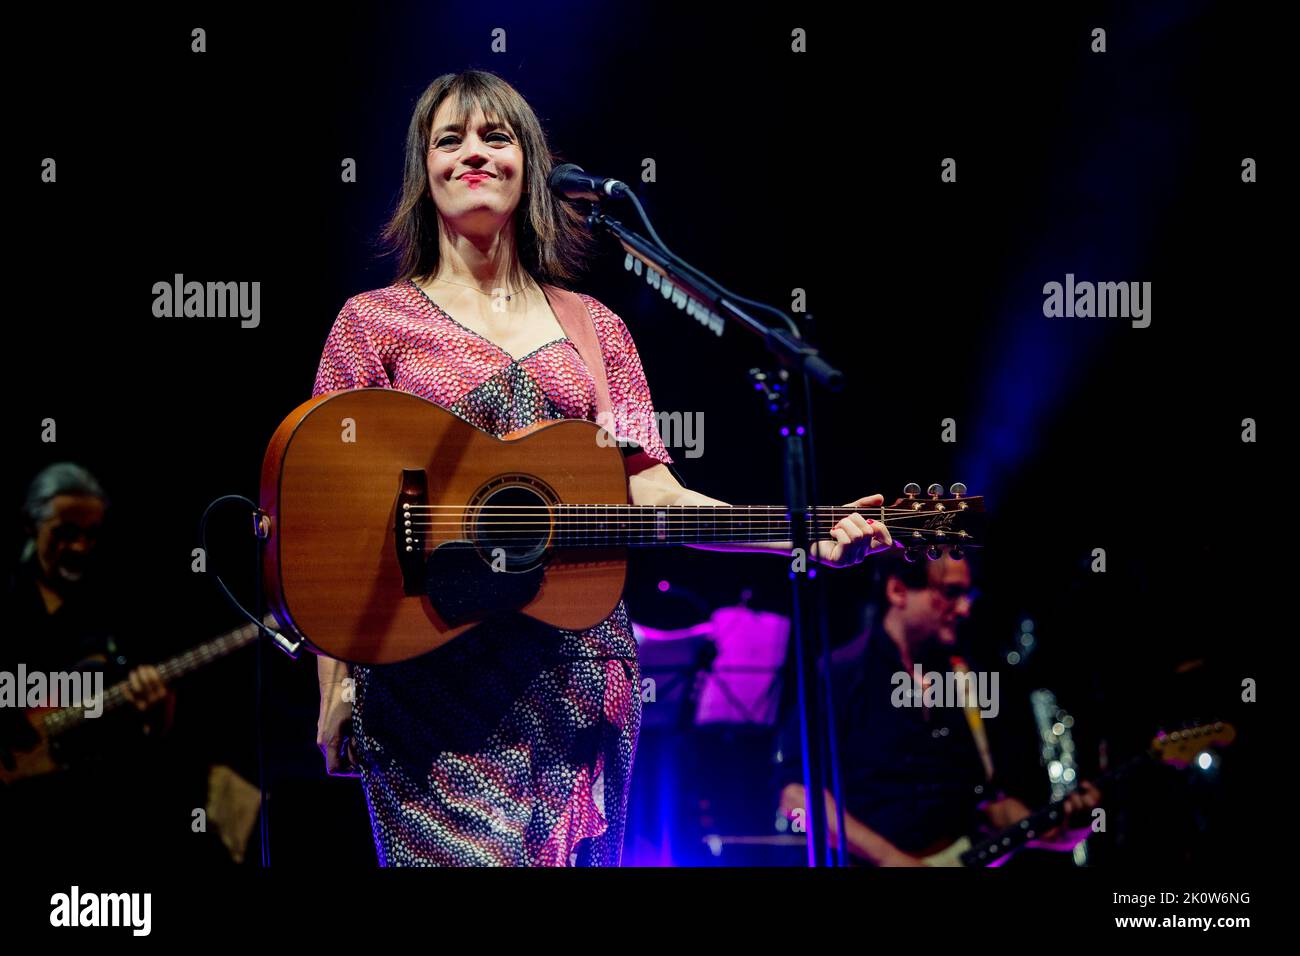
{"points": [[594, 519], [650, 524], [653, 535], [625, 526], [679, 509]]}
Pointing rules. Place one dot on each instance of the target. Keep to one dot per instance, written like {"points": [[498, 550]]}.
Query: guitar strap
{"points": [[976, 722], [575, 319]]}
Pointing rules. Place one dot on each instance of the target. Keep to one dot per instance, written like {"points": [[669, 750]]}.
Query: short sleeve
{"points": [[349, 359], [629, 393]]}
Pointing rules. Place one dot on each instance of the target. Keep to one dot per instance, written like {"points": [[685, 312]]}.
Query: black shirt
{"points": [[911, 774], [78, 637], [108, 796]]}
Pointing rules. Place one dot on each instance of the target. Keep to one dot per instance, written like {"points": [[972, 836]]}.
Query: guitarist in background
{"points": [[914, 778], [58, 616]]}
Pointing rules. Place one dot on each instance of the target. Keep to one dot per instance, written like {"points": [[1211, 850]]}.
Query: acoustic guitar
{"points": [[393, 526]]}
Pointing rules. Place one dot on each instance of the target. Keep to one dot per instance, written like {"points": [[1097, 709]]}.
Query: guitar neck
{"points": [[651, 526], [65, 718], [1015, 837]]}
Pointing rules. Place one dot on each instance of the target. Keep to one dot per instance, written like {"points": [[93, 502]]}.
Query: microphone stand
{"points": [[789, 401]]}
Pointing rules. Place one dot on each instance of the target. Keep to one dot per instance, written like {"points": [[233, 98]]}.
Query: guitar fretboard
{"points": [[1018, 834], [651, 526], [65, 718]]}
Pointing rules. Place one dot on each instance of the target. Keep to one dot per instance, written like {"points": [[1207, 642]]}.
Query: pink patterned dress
{"points": [[513, 743]]}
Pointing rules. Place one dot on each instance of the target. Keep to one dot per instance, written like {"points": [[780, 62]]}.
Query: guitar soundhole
{"points": [[512, 527]]}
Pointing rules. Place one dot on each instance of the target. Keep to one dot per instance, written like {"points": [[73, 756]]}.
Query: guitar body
{"points": [[34, 761], [335, 478], [950, 855]]}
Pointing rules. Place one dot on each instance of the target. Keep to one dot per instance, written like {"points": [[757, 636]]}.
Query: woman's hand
{"points": [[855, 537], [334, 728]]}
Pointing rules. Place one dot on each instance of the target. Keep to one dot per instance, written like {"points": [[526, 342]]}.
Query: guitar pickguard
{"points": [[463, 587]]}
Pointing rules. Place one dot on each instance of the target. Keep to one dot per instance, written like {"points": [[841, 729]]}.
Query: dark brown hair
{"points": [[552, 244]]}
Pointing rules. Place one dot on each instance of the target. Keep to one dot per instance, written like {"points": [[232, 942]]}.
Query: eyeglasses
{"points": [[955, 592]]}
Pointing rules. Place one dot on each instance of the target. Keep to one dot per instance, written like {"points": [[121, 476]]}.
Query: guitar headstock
{"points": [[931, 525], [1180, 747]]}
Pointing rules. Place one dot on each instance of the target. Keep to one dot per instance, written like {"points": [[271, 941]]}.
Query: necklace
{"points": [[477, 289]]}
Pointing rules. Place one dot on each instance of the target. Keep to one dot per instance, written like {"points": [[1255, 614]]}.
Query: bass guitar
{"points": [[51, 724], [1178, 749]]}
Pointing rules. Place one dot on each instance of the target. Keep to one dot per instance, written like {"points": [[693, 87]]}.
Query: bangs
{"points": [[469, 94]]}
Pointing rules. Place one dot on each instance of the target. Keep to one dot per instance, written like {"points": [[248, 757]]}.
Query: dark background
{"points": [[776, 171]]}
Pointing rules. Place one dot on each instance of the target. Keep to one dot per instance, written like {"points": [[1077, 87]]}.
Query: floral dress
{"points": [[512, 744]]}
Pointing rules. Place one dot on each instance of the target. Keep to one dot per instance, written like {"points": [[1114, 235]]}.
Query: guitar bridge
{"points": [[411, 517]]}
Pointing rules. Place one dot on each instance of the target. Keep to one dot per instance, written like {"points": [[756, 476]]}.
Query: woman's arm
{"points": [[855, 536], [335, 715], [330, 671], [656, 486]]}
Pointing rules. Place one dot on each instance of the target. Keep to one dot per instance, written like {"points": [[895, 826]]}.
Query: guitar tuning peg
{"points": [[934, 552], [912, 555], [958, 489], [956, 553], [935, 490], [911, 489]]}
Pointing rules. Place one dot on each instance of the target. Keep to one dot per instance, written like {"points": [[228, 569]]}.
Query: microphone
{"points": [[570, 182]]}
